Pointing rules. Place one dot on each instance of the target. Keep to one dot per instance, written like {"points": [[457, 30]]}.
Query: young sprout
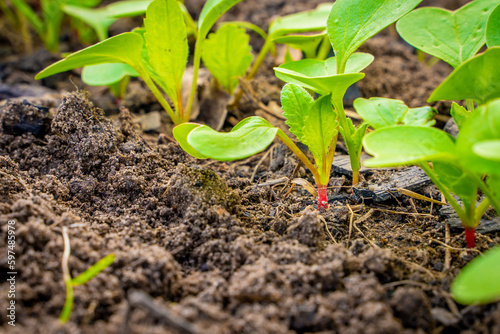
{"points": [[81, 279], [349, 25]]}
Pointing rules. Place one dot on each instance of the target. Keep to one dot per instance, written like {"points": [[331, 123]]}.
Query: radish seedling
{"points": [[459, 167], [349, 25], [479, 280], [309, 120], [158, 55], [81, 279], [315, 123]]}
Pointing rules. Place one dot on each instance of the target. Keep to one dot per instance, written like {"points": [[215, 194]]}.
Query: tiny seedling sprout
{"points": [[81, 279]]}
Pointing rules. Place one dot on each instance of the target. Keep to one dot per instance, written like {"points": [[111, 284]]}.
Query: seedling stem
{"points": [[321, 184], [353, 152], [152, 86], [68, 304]]}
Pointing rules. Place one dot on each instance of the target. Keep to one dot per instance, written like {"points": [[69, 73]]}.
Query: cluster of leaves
{"points": [[470, 163], [158, 52], [316, 123]]}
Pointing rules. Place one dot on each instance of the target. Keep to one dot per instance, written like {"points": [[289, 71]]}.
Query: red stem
{"points": [[469, 237], [322, 198]]}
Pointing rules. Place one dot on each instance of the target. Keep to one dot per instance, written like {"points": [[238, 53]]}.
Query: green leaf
{"points": [[123, 48], [406, 145], [295, 102], [479, 280], [250, 136], [457, 181], [488, 149], [227, 55], [181, 132], [320, 126], [475, 79], [98, 18], [312, 20], [451, 36], [321, 75], [381, 112], [145, 62], [106, 74], [93, 271], [482, 125], [211, 12], [128, 8], [459, 114], [166, 41], [422, 116], [493, 28], [306, 43], [352, 22]]}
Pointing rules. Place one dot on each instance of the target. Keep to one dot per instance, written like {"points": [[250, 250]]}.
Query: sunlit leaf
{"points": [[296, 102], [227, 55], [451, 36], [181, 133], [321, 75], [313, 20], [211, 12], [123, 48], [106, 74], [320, 126], [406, 145], [352, 22], [250, 136], [493, 28], [475, 79], [166, 41]]}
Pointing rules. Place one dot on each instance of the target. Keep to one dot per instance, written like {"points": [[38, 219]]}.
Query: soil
{"points": [[215, 247]]}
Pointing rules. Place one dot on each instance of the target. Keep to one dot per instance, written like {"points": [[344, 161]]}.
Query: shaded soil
{"points": [[214, 247]]}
